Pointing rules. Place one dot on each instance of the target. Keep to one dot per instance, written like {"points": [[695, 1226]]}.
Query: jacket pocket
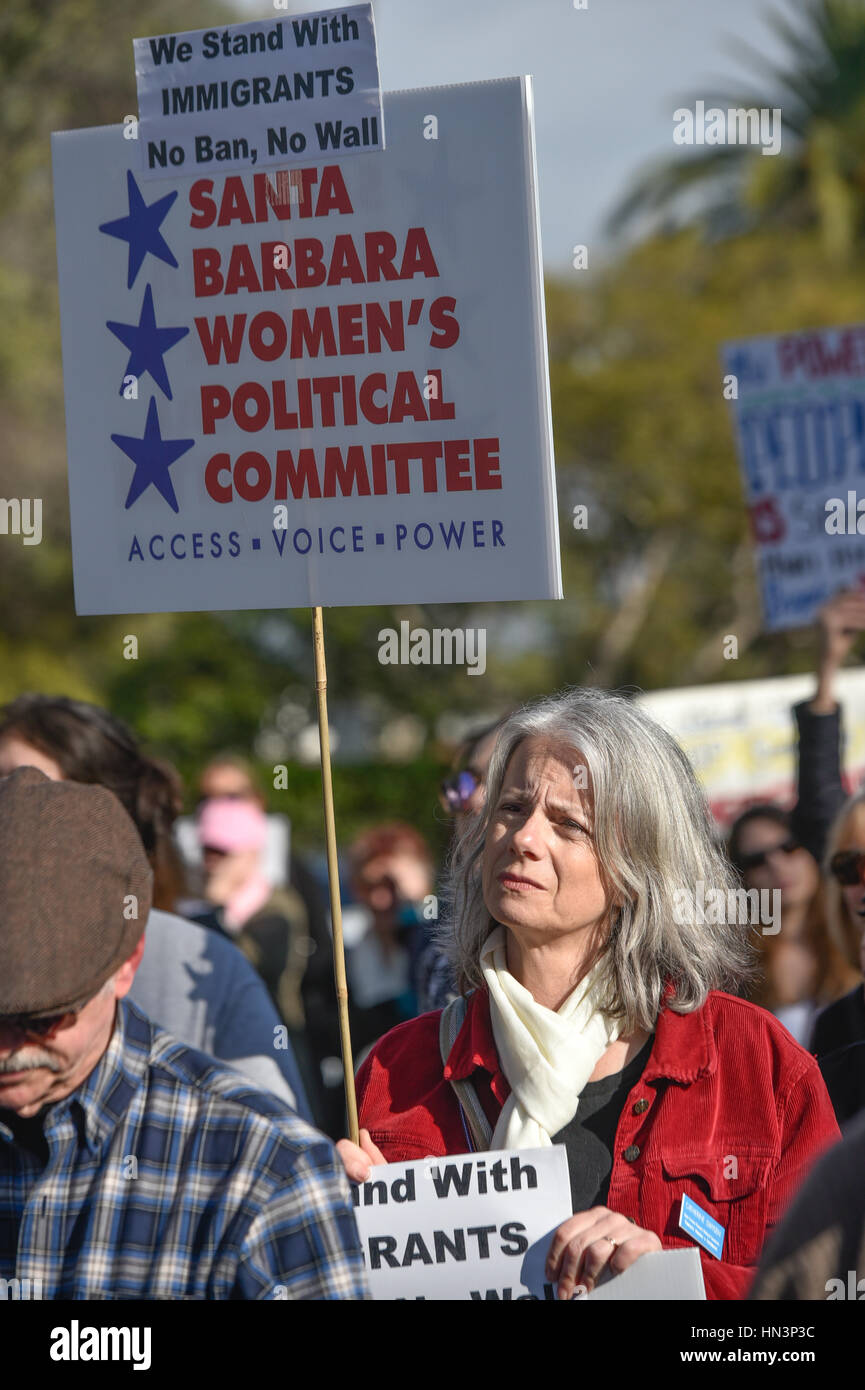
{"points": [[733, 1188]]}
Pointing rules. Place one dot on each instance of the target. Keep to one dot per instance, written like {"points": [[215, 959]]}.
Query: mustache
{"points": [[27, 1060]]}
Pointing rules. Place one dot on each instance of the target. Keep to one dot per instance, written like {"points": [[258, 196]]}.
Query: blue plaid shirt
{"points": [[170, 1176]]}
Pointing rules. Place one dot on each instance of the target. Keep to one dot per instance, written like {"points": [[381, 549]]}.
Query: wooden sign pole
{"points": [[333, 874]]}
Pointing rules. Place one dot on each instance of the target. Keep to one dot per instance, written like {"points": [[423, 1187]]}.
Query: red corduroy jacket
{"points": [[737, 1112]]}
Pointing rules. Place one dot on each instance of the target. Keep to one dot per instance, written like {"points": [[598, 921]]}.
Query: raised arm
{"points": [[821, 791]]}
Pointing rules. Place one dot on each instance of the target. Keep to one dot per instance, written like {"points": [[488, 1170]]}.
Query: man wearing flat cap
{"points": [[132, 1166]]}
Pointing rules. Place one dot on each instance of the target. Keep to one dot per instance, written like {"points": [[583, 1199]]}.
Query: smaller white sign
{"points": [[469, 1226], [274, 91], [668, 1276]]}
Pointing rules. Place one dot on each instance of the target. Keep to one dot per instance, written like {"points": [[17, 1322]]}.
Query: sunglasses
{"points": [[847, 866], [458, 790], [41, 1027], [759, 857]]}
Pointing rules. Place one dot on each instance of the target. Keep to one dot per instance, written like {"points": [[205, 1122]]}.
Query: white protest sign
{"points": [[659, 1276], [317, 386], [271, 91], [740, 736], [799, 412], [472, 1226]]}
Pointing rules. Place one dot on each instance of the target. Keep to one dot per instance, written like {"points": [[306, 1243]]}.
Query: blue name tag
{"points": [[701, 1227]]}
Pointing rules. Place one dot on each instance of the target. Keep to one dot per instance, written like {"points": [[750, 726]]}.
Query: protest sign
{"points": [[799, 407], [272, 91], [312, 386], [741, 736], [659, 1276], [471, 1226]]}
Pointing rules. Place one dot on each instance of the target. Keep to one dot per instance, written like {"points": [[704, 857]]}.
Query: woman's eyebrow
{"points": [[562, 808], [566, 808]]}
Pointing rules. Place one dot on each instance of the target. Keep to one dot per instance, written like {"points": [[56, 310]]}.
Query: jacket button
{"points": [[632, 1152], [641, 1107]]}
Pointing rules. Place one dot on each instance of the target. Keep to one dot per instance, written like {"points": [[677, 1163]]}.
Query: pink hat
{"points": [[230, 824]]}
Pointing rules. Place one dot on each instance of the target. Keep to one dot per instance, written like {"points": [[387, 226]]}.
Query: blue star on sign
{"points": [[147, 344], [141, 229], [152, 456]]}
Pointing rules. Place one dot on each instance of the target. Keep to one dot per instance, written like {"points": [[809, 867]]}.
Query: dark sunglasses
{"points": [[761, 856], [41, 1027], [847, 866], [458, 790]]}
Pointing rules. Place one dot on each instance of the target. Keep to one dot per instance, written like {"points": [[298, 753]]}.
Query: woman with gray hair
{"points": [[599, 941]]}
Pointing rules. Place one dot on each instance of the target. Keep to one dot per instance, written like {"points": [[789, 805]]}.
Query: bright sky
{"points": [[607, 80]]}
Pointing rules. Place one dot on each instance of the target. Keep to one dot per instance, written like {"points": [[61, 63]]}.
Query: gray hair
{"points": [[654, 840]]}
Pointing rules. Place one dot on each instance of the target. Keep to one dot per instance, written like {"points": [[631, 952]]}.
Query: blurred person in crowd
{"points": [[839, 1031], [818, 1251], [391, 876], [802, 969], [192, 981], [461, 795], [228, 775], [318, 1048], [267, 923], [594, 1013], [235, 1196], [462, 791], [806, 966]]}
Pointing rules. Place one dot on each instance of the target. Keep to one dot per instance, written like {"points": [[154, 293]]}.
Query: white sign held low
{"points": [[469, 1226]]}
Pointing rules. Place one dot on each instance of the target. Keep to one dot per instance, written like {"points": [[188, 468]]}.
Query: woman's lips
{"points": [[518, 884]]}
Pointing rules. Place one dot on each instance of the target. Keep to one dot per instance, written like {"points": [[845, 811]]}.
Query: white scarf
{"points": [[547, 1057]]}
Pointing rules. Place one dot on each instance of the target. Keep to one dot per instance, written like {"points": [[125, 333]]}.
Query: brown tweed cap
{"points": [[70, 860]]}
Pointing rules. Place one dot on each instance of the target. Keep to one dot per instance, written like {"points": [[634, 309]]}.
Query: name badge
{"points": [[701, 1227]]}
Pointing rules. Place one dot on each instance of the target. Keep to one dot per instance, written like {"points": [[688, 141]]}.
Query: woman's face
{"points": [[794, 871], [14, 753], [540, 873]]}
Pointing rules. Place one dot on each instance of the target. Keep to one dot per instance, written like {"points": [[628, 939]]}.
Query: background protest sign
{"points": [[316, 386], [271, 91], [800, 427], [471, 1226], [742, 740]]}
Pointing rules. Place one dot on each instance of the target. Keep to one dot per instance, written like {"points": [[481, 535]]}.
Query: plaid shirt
{"points": [[170, 1176]]}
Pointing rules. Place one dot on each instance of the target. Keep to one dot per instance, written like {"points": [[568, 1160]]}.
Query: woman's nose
{"points": [[527, 836]]}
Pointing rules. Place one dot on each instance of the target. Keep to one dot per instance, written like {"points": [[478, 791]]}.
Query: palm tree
{"points": [[818, 178]]}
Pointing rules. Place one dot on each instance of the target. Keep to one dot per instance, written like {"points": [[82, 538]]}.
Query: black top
{"points": [[844, 1074], [840, 1024], [590, 1136], [820, 790]]}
